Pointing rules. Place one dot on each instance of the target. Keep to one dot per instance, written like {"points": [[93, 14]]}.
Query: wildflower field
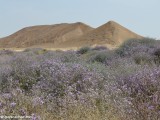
{"points": [[87, 84]]}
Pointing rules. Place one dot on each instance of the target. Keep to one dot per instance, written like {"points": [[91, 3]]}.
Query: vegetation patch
{"points": [[87, 84]]}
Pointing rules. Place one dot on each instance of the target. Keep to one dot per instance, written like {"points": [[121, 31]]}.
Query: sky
{"points": [[140, 16]]}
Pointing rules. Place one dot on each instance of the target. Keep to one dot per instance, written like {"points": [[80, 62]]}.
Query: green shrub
{"points": [[142, 58], [157, 53], [99, 57], [83, 50], [157, 56]]}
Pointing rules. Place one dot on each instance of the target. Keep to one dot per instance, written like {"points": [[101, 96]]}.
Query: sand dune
{"points": [[68, 35]]}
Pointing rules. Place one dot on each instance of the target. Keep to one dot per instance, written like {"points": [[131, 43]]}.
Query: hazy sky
{"points": [[140, 16]]}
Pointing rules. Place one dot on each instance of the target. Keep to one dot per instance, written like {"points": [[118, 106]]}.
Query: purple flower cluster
{"points": [[60, 81], [142, 90]]}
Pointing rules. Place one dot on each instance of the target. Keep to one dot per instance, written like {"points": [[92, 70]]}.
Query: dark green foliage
{"points": [[157, 56], [98, 48], [157, 53], [99, 57], [83, 50]]}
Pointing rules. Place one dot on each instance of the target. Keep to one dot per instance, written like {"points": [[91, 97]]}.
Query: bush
{"points": [[99, 58], [68, 56], [6, 52], [35, 50], [141, 91], [143, 58], [134, 46], [103, 57], [83, 50], [157, 52], [99, 48]]}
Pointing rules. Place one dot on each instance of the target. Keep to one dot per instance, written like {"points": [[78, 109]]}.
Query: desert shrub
{"points": [[101, 57], [24, 71], [5, 73], [65, 56], [68, 56], [148, 41], [157, 53], [36, 50], [134, 46], [58, 73], [157, 56], [83, 50], [6, 52], [122, 67], [141, 92], [143, 58], [16, 102], [126, 46], [49, 55], [5, 59], [5, 70], [88, 55], [100, 48], [66, 83]]}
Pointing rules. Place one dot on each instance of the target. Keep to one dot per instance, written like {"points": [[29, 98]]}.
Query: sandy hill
{"points": [[44, 35], [68, 35], [111, 33]]}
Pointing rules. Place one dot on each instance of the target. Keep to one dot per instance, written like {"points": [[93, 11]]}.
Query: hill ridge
{"points": [[68, 35], [110, 33]]}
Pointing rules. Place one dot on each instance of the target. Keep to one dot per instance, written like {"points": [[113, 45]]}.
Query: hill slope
{"points": [[44, 34], [110, 33], [68, 35]]}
